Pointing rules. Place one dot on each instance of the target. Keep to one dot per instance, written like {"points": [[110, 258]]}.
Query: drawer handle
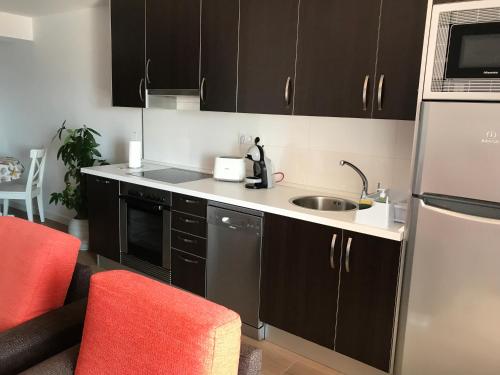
{"points": [[348, 255], [190, 201], [99, 181], [189, 221], [187, 240], [186, 260], [332, 251]]}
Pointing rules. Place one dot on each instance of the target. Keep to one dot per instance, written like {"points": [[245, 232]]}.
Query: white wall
{"points": [[64, 74], [307, 149], [14, 26]]}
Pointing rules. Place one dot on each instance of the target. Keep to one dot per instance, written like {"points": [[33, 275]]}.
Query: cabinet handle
{"points": [[365, 92], [332, 251], [287, 90], [190, 201], [380, 91], [202, 89], [187, 240], [190, 221], [186, 260], [140, 90], [148, 81], [348, 255]]}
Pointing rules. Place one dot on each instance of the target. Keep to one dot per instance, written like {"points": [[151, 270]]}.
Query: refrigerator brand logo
{"points": [[491, 137]]}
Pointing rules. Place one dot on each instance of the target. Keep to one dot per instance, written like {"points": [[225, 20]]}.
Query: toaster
{"points": [[229, 168]]}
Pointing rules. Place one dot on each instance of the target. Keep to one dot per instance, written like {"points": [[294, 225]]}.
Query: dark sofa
{"points": [[38, 339]]}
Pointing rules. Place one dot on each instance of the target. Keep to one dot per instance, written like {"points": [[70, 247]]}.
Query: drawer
{"points": [[190, 244], [190, 205], [189, 224], [188, 272]]}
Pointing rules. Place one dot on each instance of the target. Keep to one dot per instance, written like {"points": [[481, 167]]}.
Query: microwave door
{"points": [[474, 51], [459, 150]]}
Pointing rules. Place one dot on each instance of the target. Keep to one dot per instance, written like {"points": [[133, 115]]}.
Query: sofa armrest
{"points": [[63, 363], [250, 360], [38, 339]]}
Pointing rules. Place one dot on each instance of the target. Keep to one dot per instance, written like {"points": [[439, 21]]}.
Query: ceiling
{"points": [[37, 8]]}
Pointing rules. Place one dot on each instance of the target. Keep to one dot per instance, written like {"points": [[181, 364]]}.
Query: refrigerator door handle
{"points": [[465, 206], [459, 215]]}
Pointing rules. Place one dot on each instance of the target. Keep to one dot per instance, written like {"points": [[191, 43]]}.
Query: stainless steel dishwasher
{"points": [[233, 263]]}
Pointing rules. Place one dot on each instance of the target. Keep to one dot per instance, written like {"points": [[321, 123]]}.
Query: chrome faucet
{"points": [[364, 192]]}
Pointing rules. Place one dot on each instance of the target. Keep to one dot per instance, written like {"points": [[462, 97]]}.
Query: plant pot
{"points": [[80, 229]]}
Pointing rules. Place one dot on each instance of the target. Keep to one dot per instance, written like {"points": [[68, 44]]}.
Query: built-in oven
{"points": [[145, 230], [463, 61]]}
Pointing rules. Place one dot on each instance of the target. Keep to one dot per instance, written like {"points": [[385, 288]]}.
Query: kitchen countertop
{"points": [[275, 200]]}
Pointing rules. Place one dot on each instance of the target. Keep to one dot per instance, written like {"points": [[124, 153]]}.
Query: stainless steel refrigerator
{"points": [[452, 323]]}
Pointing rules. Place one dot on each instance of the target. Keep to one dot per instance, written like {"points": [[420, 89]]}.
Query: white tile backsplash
{"points": [[306, 149]]}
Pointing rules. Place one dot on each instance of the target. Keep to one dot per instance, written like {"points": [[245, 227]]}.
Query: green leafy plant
{"points": [[79, 150]]}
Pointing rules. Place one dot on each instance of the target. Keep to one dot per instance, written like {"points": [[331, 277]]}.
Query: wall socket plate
{"points": [[245, 139]]}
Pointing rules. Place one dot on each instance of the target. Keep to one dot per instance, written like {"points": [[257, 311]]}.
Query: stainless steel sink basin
{"points": [[323, 203]]}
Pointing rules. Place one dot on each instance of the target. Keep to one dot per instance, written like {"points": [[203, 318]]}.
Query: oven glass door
{"points": [[474, 51], [145, 231]]}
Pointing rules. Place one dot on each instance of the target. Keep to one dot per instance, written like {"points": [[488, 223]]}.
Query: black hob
{"points": [[172, 175]]}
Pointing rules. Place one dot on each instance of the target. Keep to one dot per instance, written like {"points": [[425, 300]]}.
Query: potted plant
{"points": [[79, 150]]}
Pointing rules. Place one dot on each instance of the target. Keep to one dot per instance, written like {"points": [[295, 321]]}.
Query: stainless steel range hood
{"points": [[181, 100], [174, 92]]}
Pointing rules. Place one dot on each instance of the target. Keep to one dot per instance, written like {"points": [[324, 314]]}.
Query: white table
{"points": [[10, 169]]}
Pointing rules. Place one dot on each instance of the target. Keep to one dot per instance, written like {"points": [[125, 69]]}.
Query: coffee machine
{"points": [[262, 169]]}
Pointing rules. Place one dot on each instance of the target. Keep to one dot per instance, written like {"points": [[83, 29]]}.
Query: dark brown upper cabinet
{"points": [[359, 58], [400, 53], [219, 55], [173, 45], [368, 299], [300, 278], [267, 44], [337, 47], [128, 44]]}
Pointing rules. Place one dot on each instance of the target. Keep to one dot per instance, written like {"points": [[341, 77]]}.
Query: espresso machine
{"points": [[262, 169]]}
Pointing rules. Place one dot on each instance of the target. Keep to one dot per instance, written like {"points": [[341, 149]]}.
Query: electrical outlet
{"points": [[245, 139]]}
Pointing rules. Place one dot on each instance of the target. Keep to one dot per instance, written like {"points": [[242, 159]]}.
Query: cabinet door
{"points": [[219, 55], [266, 70], [399, 57], [368, 297], [336, 57], [172, 44], [299, 278], [188, 272], [128, 43], [103, 205]]}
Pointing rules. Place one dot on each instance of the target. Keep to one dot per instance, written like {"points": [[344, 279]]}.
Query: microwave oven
{"points": [[463, 60]]}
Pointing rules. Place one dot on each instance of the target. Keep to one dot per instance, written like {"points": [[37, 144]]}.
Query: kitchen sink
{"points": [[323, 203]]}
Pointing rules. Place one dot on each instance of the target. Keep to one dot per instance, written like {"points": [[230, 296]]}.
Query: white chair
{"points": [[32, 189]]}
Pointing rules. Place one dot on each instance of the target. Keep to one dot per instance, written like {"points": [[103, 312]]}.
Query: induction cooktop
{"points": [[172, 175]]}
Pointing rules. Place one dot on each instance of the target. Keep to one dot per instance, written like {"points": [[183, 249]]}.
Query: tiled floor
{"points": [[276, 360]]}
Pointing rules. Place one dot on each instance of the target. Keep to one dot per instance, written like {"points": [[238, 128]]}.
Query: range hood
{"points": [[181, 100], [173, 92]]}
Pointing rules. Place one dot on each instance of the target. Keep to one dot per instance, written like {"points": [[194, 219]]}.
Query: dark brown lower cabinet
{"points": [[188, 272], [299, 278], [332, 287], [104, 221], [368, 297]]}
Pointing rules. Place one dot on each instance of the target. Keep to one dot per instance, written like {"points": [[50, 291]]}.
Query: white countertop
{"points": [[275, 200]]}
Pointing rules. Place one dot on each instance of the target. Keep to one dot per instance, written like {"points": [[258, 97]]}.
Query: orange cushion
{"points": [[36, 266], [135, 325]]}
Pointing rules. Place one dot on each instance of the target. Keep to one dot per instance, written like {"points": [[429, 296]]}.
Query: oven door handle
{"points": [[144, 205]]}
